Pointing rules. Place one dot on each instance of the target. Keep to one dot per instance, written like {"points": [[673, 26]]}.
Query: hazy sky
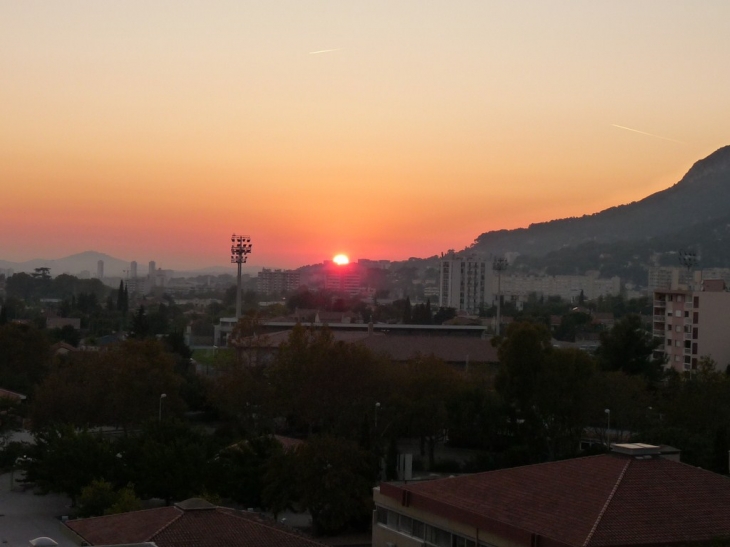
{"points": [[382, 129]]}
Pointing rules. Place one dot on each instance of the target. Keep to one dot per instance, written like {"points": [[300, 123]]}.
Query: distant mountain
{"points": [[702, 196], [74, 264]]}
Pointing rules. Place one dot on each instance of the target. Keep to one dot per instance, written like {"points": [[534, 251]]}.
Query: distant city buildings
{"points": [[277, 281], [666, 277], [517, 288], [100, 269], [344, 278]]}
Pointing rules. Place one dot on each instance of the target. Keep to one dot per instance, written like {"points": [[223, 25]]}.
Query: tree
{"points": [[65, 460], [167, 460], [238, 471], [24, 357], [334, 482], [629, 347], [443, 315], [120, 297], [121, 386], [545, 390], [322, 385], [140, 324], [407, 311]]}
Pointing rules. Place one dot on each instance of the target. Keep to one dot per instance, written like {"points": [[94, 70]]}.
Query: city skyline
{"points": [[376, 130]]}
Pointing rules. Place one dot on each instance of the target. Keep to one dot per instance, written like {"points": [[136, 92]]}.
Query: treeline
{"points": [[349, 407]]}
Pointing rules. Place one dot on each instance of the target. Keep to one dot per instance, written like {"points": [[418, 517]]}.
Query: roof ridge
{"points": [[180, 513], [608, 502]]}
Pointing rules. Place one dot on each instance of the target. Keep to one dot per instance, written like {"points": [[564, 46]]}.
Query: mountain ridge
{"points": [[703, 194]]}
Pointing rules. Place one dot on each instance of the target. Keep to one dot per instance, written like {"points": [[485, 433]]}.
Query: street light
{"points": [[608, 426], [161, 397], [499, 265], [240, 249]]}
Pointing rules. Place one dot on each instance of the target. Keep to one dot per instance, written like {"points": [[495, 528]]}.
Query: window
{"points": [[405, 524], [678, 313], [679, 298], [678, 328], [393, 520], [696, 301], [438, 537], [382, 515], [676, 358], [418, 529]]}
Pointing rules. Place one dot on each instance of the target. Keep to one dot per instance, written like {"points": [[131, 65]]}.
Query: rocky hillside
{"points": [[702, 196]]}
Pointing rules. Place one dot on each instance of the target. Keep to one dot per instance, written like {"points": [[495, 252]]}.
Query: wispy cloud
{"points": [[649, 134], [325, 51]]}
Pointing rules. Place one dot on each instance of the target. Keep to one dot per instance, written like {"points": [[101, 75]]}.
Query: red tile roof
{"points": [[193, 523], [595, 501], [452, 349]]}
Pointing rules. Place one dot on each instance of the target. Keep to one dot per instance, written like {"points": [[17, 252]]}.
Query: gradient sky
{"points": [[154, 129]]}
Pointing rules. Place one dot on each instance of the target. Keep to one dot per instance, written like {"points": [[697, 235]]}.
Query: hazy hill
{"points": [[703, 195], [73, 264]]}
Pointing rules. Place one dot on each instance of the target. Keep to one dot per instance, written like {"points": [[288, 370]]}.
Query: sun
{"points": [[341, 260]]}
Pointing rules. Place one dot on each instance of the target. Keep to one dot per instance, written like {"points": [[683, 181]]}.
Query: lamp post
{"points": [[499, 265], [608, 426], [240, 249], [162, 396]]}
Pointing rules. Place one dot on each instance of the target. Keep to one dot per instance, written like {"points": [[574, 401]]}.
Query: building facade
{"points": [[691, 324], [277, 281], [464, 283]]}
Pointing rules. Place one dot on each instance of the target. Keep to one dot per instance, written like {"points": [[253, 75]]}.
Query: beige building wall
{"points": [[384, 535], [692, 325]]}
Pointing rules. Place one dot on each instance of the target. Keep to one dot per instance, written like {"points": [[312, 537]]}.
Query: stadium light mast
{"points": [[240, 249], [499, 264]]}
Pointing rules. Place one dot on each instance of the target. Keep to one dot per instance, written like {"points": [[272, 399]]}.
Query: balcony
{"points": [[660, 304]]}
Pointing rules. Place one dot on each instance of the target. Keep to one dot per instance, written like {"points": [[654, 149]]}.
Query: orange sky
{"points": [[153, 130]]}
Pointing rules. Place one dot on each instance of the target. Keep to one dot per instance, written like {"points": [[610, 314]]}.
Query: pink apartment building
{"points": [[693, 324]]}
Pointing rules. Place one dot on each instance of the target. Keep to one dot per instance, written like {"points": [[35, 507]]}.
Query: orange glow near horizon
{"points": [[149, 133], [341, 260]]}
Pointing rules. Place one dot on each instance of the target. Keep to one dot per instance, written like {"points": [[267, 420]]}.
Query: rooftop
{"points": [[192, 523], [606, 500]]}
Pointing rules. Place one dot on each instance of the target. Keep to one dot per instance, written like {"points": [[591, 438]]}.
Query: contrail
{"points": [[324, 51], [645, 133]]}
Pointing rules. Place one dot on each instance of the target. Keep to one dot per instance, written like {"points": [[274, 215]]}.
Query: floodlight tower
{"points": [[689, 259], [499, 264], [240, 249]]}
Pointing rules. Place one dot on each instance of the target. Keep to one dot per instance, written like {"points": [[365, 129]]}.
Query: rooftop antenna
{"points": [[689, 260]]}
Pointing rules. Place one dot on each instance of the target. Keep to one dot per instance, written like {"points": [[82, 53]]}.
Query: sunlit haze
{"points": [[154, 130], [341, 260]]}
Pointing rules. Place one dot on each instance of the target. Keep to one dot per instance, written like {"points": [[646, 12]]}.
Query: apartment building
{"points": [[465, 283], [277, 281], [692, 324], [568, 287]]}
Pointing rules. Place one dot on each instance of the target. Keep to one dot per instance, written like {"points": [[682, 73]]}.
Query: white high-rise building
{"points": [[100, 269], [133, 269], [465, 283]]}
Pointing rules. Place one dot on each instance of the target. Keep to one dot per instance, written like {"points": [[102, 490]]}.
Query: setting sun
{"points": [[341, 260]]}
